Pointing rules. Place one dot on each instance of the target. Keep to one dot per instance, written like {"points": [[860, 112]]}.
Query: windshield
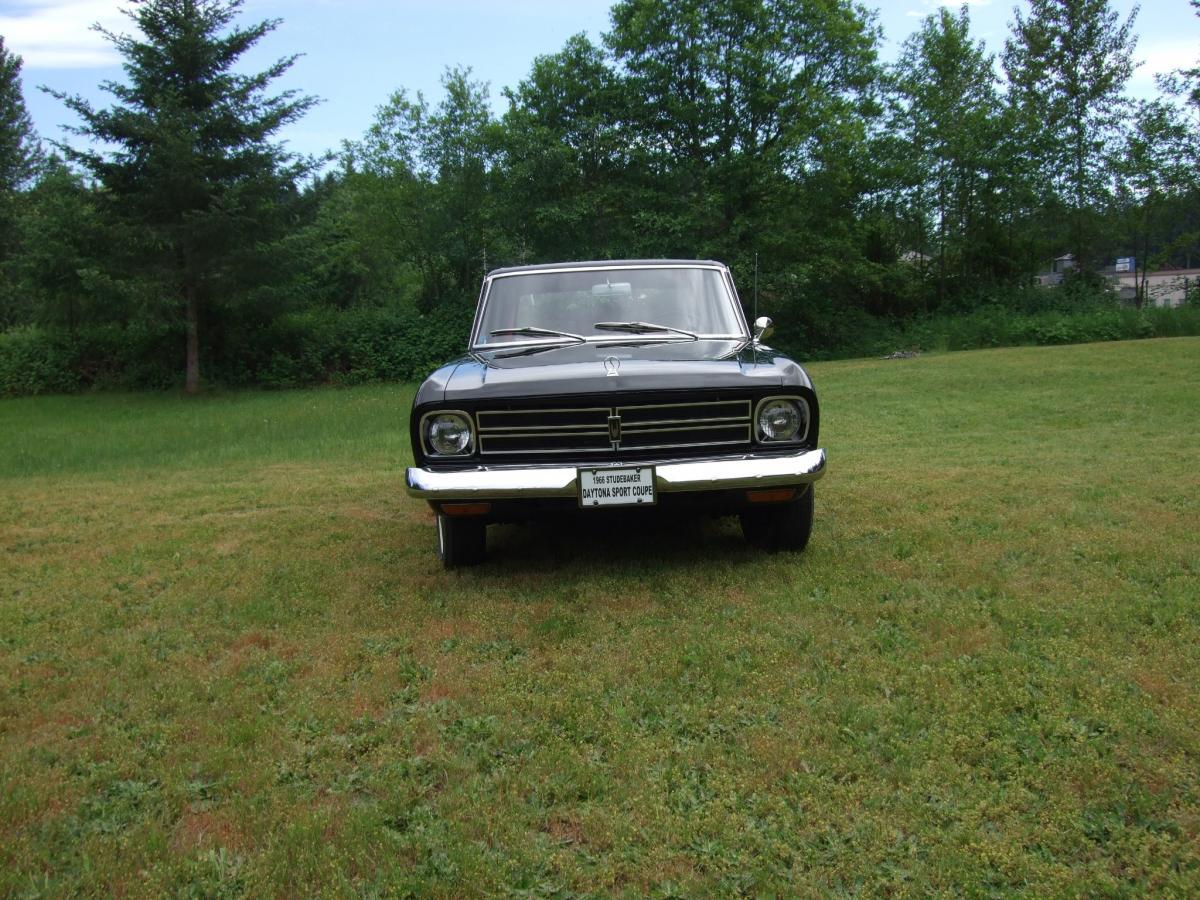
{"points": [[608, 304]]}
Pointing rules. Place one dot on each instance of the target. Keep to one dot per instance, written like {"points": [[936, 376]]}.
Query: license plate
{"points": [[628, 486]]}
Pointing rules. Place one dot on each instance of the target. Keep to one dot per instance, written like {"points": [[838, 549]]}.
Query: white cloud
{"points": [[1167, 55], [930, 5], [57, 34], [1158, 58]]}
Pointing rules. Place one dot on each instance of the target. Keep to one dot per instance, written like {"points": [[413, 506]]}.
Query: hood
{"points": [[586, 368]]}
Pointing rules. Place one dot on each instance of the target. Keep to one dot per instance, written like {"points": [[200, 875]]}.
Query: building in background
{"points": [[1165, 287]]}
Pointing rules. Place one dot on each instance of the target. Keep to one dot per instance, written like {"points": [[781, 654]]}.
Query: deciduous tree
{"points": [[568, 161], [1068, 62], [1153, 169], [748, 123], [425, 177], [948, 119], [65, 243]]}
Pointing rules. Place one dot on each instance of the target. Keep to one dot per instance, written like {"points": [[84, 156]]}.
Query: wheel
{"points": [[461, 542], [784, 526]]}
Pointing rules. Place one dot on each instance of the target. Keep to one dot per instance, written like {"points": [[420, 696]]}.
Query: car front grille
{"points": [[598, 429]]}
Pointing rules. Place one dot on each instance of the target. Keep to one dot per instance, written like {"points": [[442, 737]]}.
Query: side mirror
{"points": [[763, 328]]}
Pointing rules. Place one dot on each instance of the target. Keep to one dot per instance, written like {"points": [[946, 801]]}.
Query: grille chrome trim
{"points": [[679, 405], [737, 420], [684, 428], [631, 427], [567, 450], [552, 429], [687, 446], [644, 427], [526, 412]]}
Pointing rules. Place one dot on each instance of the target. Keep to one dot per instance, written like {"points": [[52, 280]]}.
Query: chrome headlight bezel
{"points": [[429, 422], [799, 406]]}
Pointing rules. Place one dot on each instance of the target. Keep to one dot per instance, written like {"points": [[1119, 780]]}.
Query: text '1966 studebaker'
{"points": [[597, 386]]}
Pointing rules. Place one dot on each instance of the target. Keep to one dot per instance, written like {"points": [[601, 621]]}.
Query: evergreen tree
{"points": [[193, 169], [20, 156], [19, 147]]}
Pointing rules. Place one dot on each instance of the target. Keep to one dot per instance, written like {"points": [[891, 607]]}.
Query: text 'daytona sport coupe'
{"points": [[593, 386]]}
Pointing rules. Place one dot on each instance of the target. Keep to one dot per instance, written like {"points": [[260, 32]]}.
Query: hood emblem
{"points": [[612, 366]]}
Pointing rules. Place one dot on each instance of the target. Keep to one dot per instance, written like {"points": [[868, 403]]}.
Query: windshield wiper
{"points": [[528, 351], [532, 331], [643, 328]]}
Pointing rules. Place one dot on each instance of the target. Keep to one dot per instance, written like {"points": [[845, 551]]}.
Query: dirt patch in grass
{"points": [[202, 829]]}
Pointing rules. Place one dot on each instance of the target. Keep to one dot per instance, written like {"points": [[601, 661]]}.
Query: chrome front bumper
{"points": [[510, 482]]}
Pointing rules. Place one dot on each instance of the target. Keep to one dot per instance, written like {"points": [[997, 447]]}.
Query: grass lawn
{"points": [[230, 662]]}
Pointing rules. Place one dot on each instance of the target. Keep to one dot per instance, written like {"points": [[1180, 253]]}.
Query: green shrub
{"points": [[309, 347], [994, 326], [991, 325], [36, 361], [330, 346]]}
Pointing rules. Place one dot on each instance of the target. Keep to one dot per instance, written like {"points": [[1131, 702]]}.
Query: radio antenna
{"points": [[756, 287]]}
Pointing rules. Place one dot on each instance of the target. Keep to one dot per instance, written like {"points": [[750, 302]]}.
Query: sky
{"points": [[356, 53]]}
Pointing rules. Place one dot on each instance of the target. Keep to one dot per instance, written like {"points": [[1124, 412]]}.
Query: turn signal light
{"points": [[778, 495], [466, 509]]}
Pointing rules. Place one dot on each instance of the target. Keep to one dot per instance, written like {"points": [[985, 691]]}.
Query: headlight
{"points": [[782, 419], [449, 434]]}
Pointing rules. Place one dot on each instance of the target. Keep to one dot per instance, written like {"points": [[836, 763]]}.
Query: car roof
{"points": [[606, 264]]}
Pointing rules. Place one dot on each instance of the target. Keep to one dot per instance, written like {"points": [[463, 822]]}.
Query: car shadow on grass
{"points": [[617, 539]]}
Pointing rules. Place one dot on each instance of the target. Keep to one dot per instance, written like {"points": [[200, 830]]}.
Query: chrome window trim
{"points": [[622, 340], [478, 319], [737, 302], [441, 412], [486, 290], [800, 438], [558, 270]]}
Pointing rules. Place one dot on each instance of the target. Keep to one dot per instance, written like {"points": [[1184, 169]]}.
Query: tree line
{"points": [[175, 237]]}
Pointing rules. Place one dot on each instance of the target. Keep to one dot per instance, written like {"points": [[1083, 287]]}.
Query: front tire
{"points": [[785, 526], [461, 542]]}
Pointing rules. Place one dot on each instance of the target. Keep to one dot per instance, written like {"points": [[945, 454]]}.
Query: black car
{"points": [[590, 386]]}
